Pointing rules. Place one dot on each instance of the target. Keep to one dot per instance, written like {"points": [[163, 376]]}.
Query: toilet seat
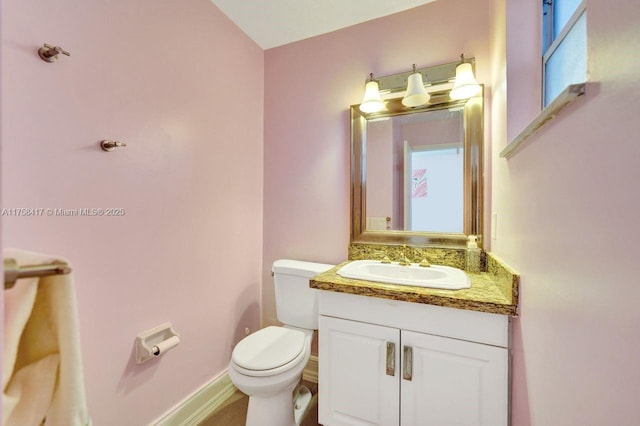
{"points": [[269, 351]]}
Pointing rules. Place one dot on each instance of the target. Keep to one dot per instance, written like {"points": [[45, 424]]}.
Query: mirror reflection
{"points": [[415, 172]]}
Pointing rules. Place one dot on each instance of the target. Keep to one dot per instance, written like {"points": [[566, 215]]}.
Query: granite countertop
{"points": [[494, 291]]}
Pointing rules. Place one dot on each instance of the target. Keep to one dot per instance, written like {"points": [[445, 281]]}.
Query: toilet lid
{"points": [[268, 348]]}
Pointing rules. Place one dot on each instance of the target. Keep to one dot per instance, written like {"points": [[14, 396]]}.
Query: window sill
{"points": [[567, 96]]}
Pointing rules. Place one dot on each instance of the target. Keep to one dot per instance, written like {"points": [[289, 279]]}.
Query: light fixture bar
{"points": [[431, 75]]}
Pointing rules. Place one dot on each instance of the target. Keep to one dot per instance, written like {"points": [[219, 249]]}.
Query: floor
{"points": [[234, 411]]}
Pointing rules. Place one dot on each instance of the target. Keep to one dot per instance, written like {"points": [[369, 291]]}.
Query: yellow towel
{"points": [[42, 366]]}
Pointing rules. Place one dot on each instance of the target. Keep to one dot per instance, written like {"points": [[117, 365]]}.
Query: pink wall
{"points": [[568, 214], [183, 87], [309, 86], [164, 78]]}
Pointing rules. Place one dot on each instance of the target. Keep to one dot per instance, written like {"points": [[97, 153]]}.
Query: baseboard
{"points": [[311, 370], [197, 407]]}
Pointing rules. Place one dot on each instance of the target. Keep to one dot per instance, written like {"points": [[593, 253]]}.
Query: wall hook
{"points": [[111, 145], [50, 53]]}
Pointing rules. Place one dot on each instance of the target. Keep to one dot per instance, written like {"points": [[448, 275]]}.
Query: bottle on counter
{"points": [[473, 254]]}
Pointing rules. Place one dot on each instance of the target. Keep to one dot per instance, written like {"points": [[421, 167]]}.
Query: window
{"points": [[564, 46]]}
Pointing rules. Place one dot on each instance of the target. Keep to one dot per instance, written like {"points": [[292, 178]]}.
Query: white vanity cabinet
{"points": [[385, 362]]}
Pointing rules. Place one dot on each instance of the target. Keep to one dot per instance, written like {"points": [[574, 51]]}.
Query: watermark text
{"points": [[59, 211]]}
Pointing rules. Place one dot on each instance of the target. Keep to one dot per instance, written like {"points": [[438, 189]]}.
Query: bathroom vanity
{"points": [[401, 355], [393, 354]]}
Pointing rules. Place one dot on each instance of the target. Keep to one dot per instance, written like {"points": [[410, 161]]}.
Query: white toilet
{"points": [[267, 365]]}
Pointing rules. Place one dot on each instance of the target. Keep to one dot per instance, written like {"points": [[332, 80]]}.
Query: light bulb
{"points": [[371, 102], [465, 85]]}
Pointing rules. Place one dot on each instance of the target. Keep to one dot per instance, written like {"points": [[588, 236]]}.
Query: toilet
{"points": [[267, 365]]}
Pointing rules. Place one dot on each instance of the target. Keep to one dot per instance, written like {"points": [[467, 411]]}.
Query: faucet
{"points": [[404, 261], [382, 253]]}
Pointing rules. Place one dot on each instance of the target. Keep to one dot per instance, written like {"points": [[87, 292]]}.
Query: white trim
{"points": [[565, 97], [582, 7], [199, 405]]}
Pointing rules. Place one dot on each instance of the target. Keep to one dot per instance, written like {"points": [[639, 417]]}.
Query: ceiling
{"points": [[272, 23]]}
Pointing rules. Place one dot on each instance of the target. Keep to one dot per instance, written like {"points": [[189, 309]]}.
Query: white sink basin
{"points": [[435, 276]]}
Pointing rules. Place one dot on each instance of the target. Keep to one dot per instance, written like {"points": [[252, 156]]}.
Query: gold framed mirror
{"points": [[408, 187]]}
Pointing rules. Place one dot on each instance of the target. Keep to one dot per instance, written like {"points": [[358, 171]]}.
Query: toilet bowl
{"points": [[270, 379], [268, 364]]}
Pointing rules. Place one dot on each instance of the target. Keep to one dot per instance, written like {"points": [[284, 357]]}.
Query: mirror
{"points": [[417, 172]]}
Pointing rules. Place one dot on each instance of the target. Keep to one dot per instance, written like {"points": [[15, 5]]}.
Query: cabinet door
{"points": [[453, 382], [359, 373]]}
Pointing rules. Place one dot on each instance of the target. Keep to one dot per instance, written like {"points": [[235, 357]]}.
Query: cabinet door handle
{"points": [[407, 363], [391, 359]]}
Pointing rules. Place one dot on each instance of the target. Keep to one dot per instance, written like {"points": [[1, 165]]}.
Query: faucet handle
{"points": [[404, 260], [424, 263]]}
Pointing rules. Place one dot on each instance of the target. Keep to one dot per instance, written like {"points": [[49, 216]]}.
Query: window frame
{"points": [[549, 44]]}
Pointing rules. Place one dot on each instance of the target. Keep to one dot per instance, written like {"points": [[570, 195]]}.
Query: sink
{"points": [[435, 276]]}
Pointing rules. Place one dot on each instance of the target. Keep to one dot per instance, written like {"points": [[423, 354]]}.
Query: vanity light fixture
{"points": [[371, 102], [465, 85], [422, 87], [416, 93]]}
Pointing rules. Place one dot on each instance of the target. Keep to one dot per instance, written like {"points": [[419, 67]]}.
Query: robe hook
{"points": [[50, 53]]}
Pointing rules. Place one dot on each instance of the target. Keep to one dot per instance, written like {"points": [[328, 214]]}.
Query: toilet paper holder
{"points": [[155, 342]]}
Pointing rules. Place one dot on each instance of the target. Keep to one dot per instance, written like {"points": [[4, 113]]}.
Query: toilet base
{"points": [[279, 409], [272, 410]]}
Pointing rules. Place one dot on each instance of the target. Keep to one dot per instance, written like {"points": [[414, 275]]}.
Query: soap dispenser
{"points": [[473, 254]]}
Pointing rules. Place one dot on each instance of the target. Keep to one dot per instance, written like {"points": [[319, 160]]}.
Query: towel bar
{"points": [[13, 272]]}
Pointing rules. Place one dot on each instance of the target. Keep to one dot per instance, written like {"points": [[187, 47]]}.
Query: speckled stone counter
{"points": [[494, 291]]}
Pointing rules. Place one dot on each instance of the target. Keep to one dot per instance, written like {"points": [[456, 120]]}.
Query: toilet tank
{"points": [[296, 302]]}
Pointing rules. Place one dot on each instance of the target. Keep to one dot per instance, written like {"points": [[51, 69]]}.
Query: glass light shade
{"points": [[416, 94], [465, 85], [371, 102]]}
